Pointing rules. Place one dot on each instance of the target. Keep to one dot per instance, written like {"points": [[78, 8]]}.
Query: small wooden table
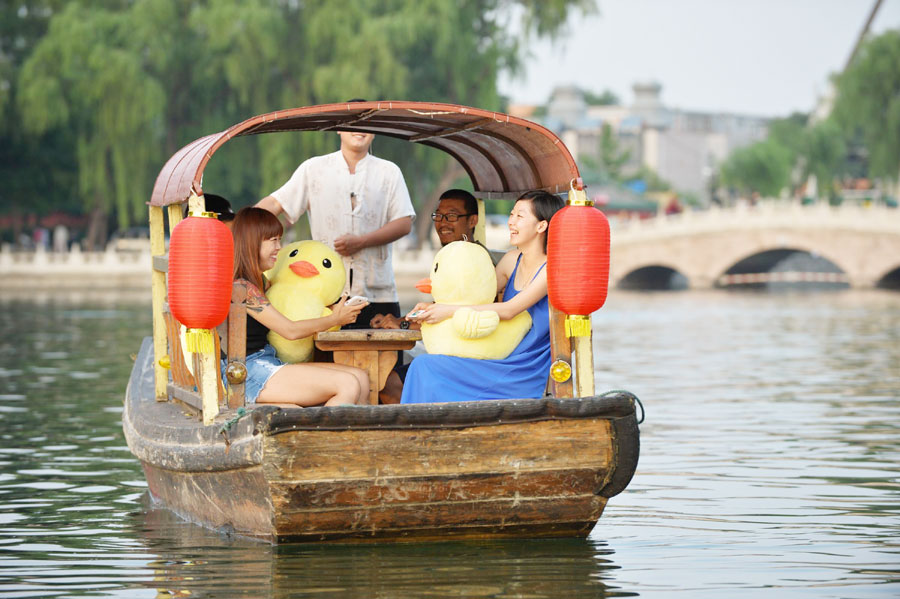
{"points": [[373, 350]]}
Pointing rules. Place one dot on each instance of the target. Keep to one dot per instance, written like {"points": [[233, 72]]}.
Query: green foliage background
{"points": [[860, 137], [95, 95]]}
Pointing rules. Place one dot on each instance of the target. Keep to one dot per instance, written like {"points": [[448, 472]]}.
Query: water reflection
{"points": [[770, 462], [196, 562]]}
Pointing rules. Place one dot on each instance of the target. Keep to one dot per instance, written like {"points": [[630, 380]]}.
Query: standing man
{"points": [[359, 205]]}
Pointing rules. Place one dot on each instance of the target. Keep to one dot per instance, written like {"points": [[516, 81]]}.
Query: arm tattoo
{"points": [[256, 299]]}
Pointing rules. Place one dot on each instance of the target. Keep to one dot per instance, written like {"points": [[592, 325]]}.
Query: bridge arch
{"points": [[767, 253], [785, 266], [890, 280], [863, 243], [654, 277]]}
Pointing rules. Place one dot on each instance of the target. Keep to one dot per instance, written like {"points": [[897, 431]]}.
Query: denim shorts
{"points": [[261, 365]]}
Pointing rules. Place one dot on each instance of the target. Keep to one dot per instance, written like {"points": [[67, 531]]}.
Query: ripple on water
{"points": [[770, 463]]}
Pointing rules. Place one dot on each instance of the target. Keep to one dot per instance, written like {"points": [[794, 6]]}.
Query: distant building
{"points": [[683, 147]]}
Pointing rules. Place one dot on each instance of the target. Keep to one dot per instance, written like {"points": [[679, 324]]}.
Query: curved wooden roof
{"points": [[503, 155]]}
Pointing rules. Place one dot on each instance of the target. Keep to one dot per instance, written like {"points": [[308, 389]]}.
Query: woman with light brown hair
{"points": [[257, 239]]}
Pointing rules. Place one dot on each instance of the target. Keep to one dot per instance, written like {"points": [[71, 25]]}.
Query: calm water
{"points": [[770, 463]]}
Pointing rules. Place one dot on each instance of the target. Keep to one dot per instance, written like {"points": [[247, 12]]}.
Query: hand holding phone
{"points": [[415, 313], [357, 299]]}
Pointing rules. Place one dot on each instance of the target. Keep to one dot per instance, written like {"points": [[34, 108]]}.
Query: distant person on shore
{"points": [[60, 238], [359, 205]]}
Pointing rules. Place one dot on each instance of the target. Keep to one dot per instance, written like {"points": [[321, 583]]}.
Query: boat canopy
{"points": [[503, 155]]}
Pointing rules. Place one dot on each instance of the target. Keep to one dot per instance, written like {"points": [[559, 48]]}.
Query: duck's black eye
{"points": [[294, 253], [435, 266], [326, 263]]}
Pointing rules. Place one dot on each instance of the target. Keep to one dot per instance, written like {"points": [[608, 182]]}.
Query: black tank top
{"points": [[256, 335]]}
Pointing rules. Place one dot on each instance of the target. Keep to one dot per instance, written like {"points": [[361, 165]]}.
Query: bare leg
{"points": [[310, 385], [393, 389], [361, 375]]}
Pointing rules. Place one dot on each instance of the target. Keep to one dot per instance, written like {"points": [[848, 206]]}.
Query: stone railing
{"points": [[74, 266], [764, 215], [74, 263]]}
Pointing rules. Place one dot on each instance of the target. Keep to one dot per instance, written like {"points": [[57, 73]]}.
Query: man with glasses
{"points": [[454, 220]]}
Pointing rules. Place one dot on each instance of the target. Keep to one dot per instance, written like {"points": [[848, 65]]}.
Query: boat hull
{"points": [[513, 468]]}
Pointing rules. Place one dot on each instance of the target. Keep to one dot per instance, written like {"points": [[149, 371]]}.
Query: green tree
{"points": [[83, 78], [38, 174], [868, 102], [120, 85], [763, 167], [824, 153]]}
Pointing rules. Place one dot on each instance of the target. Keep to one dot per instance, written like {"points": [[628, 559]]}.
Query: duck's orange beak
{"points": [[424, 285], [302, 268]]}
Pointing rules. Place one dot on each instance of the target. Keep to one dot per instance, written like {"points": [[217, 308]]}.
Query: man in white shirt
{"points": [[358, 204]]}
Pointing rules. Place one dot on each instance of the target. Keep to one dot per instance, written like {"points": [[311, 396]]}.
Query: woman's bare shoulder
{"points": [[508, 261]]}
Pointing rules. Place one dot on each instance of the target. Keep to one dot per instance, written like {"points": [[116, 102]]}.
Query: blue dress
{"points": [[436, 378]]}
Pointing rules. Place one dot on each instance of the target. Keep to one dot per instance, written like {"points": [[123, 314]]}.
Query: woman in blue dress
{"points": [[522, 278]]}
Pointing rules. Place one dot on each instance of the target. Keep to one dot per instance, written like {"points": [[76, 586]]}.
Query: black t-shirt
{"points": [[256, 335]]}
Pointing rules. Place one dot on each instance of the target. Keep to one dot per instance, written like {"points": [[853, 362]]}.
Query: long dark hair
{"points": [[544, 205], [251, 227]]}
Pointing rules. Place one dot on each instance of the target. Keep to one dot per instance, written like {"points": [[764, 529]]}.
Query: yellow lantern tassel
{"points": [[199, 341], [578, 325]]}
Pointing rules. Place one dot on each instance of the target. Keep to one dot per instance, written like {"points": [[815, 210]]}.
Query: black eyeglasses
{"points": [[450, 218]]}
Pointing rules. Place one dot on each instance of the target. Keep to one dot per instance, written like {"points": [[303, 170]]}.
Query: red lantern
{"points": [[201, 262], [578, 261]]}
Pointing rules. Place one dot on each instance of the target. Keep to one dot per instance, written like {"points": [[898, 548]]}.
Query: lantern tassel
{"points": [[578, 325], [199, 341]]}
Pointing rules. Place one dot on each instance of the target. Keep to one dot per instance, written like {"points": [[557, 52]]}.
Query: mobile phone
{"points": [[357, 299], [414, 313]]}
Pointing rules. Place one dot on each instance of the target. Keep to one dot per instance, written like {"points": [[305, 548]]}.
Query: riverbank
{"points": [[76, 269]]}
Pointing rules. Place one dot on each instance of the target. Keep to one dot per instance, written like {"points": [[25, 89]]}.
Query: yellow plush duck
{"points": [[462, 274], [308, 276]]}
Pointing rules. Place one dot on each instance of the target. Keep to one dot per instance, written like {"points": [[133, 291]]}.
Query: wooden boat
{"points": [[529, 467]]}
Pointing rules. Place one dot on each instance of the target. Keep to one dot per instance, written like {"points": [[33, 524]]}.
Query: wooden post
{"points": [[158, 290], [560, 349], [584, 365], [196, 203], [209, 385], [175, 216], [236, 338]]}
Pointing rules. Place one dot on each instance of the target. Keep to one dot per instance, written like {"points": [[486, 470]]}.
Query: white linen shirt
{"points": [[323, 185]]}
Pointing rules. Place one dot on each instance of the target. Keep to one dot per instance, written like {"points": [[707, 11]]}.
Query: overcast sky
{"points": [[760, 57]]}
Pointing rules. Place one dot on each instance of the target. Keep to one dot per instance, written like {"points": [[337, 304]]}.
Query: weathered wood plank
{"points": [[560, 349], [378, 335], [383, 491], [234, 498], [180, 373], [236, 339], [446, 516], [329, 345], [158, 294], [304, 455]]}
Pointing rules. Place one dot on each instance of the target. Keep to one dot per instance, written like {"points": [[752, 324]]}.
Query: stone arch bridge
{"points": [[719, 247]]}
